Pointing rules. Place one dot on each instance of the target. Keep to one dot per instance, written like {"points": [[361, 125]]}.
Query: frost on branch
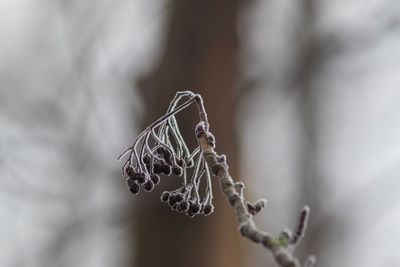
{"points": [[161, 149]]}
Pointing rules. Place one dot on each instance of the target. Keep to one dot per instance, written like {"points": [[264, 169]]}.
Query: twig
{"points": [[247, 226]]}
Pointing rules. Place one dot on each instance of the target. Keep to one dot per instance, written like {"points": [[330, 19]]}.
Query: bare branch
{"points": [[247, 226]]}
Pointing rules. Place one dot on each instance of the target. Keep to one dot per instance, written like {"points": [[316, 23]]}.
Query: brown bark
{"points": [[200, 54]]}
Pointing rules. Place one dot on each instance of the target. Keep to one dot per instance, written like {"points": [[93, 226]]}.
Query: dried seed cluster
{"points": [[182, 201], [161, 150]]}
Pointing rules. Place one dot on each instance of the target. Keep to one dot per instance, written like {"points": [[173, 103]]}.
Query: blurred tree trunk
{"points": [[310, 55], [307, 57], [200, 54]]}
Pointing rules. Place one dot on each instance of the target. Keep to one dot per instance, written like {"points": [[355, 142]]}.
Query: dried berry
{"points": [[160, 150], [132, 174], [178, 197], [165, 196], [194, 207], [172, 200], [169, 161], [148, 186], [141, 177], [166, 169], [130, 171], [134, 188], [146, 159], [208, 209], [155, 178], [179, 162], [177, 170], [165, 154], [157, 168], [129, 182], [183, 206], [190, 163]]}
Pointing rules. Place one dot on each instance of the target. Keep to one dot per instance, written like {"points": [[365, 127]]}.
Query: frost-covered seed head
{"points": [[134, 188], [165, 196], [155, 178], [146, 159], [179, 162], [166, 169], [141, 177], [172, 200], [166, 154], [178, 197], [157, 168], [178, 171], [183, 206], [148, 186], [208, 209], [190, 163], [194, 207], [130, 171], [129, 182], [160, 150]]}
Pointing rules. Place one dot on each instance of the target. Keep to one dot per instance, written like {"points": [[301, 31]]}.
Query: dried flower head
{"points": [[161, 149]]}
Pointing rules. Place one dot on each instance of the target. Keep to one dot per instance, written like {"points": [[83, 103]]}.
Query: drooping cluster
{"points": [[187, 198], [161, 150], [181, 201], [147, 173]]}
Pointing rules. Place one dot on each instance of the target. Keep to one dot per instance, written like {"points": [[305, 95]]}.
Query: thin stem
{"points": [[209, 188], [150, 128], [159, 143], [174, 102], [175, 128], [184, 176], [166, 116], [175, 136], [195, 152], [195, 174], [146, 139]]}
